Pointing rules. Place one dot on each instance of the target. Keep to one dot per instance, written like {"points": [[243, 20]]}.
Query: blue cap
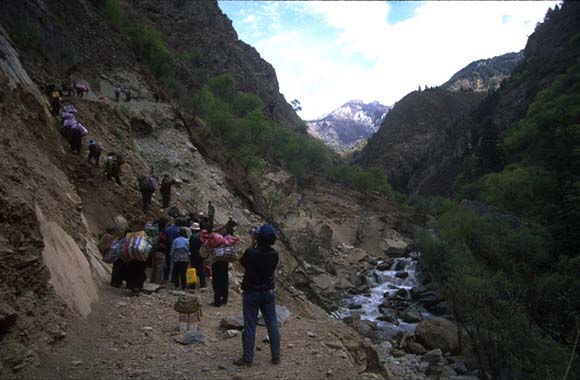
{"points": [[91, 142], [266, 232]]}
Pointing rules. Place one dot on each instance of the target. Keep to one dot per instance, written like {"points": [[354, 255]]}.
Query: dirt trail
{"points": [[133, 337]]}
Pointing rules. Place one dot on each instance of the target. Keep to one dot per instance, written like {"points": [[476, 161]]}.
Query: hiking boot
{"points": [[276, 361], [241, 362]]}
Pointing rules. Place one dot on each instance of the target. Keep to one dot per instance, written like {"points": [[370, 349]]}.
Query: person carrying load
{"points": [[95, 151], [147, 186]]}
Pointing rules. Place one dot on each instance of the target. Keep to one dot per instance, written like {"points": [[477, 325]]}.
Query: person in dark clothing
{"points": [[119, 273], [171, 232], [165, 190], [210, 211], [95, 150], [230, 226], [136, 275], [113, 167], [55, 103], [76, 140], [220, 283], [260, 263], [196, 260], [147, 186], [127, 95]]}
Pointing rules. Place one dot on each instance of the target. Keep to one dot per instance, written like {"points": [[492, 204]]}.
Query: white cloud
{"points": [[427, 49]]}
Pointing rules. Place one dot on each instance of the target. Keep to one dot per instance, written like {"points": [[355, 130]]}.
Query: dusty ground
{"points": [[133, 337]]}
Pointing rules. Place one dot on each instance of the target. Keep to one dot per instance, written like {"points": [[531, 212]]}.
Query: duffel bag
{"points": [[136, 248], [114, 252], [227, 253]]}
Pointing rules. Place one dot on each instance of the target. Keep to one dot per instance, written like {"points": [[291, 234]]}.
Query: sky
{"points": [[328, 52]]}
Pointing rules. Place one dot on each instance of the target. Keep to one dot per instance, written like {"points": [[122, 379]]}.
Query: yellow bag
{"points": [[191, 276]]}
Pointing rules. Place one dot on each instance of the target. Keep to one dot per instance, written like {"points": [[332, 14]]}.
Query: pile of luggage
{"points": [[218, 248], [134, 246]]}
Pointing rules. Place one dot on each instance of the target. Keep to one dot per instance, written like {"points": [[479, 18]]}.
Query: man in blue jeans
{"points": [[260, 263]]}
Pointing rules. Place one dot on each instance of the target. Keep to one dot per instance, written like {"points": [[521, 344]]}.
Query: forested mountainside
{"points": [[407, 134], [506, 250], [349, 125]]}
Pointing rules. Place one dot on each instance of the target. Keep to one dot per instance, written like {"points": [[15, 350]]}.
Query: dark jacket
{"points": [[260, 264], [195, 246], [166, 185]]}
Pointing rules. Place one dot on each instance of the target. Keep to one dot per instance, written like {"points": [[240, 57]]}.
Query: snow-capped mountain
{"points": [[348, 125]]}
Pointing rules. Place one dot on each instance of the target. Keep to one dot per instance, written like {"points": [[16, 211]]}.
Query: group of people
{"points": [[176, 246]]}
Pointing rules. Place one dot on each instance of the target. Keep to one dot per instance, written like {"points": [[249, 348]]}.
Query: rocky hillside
{"points": [[349, 125], [407, 130], [485, 74], [55, 205]]}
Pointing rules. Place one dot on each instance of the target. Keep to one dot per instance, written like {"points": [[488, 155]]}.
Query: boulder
{"points": [[372, 261], [437, 333], [323, 282], [411, 315], [400, 265], [355, 306], [394, 246], [416, 348], [232, 323], [458, 367]]}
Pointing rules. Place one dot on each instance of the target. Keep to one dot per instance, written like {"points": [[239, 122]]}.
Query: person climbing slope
{"points": [[210, 212], [259, 263], [95, 151], [76, 134], [165, 190], [113, 167], [147, 186]]}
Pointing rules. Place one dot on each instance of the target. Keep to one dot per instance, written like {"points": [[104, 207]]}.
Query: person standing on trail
{"points": [[220, 282], [230, 226], [171, 233], [95, 150], [259, 263], [165, 190], [147, 186], [180, 259], [55, 102], [210, 212], [196, 260], [77, 132]]}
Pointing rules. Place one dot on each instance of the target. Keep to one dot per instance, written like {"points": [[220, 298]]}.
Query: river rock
{"points": [[402, 294], [385, 265], [434, 357], [402, 275], [411, 315], [355, 306], [372, 261], [400, 265], [232, 323], [394, 246], [458, 367], [429, 299], [388, 316], [437, 333]]}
